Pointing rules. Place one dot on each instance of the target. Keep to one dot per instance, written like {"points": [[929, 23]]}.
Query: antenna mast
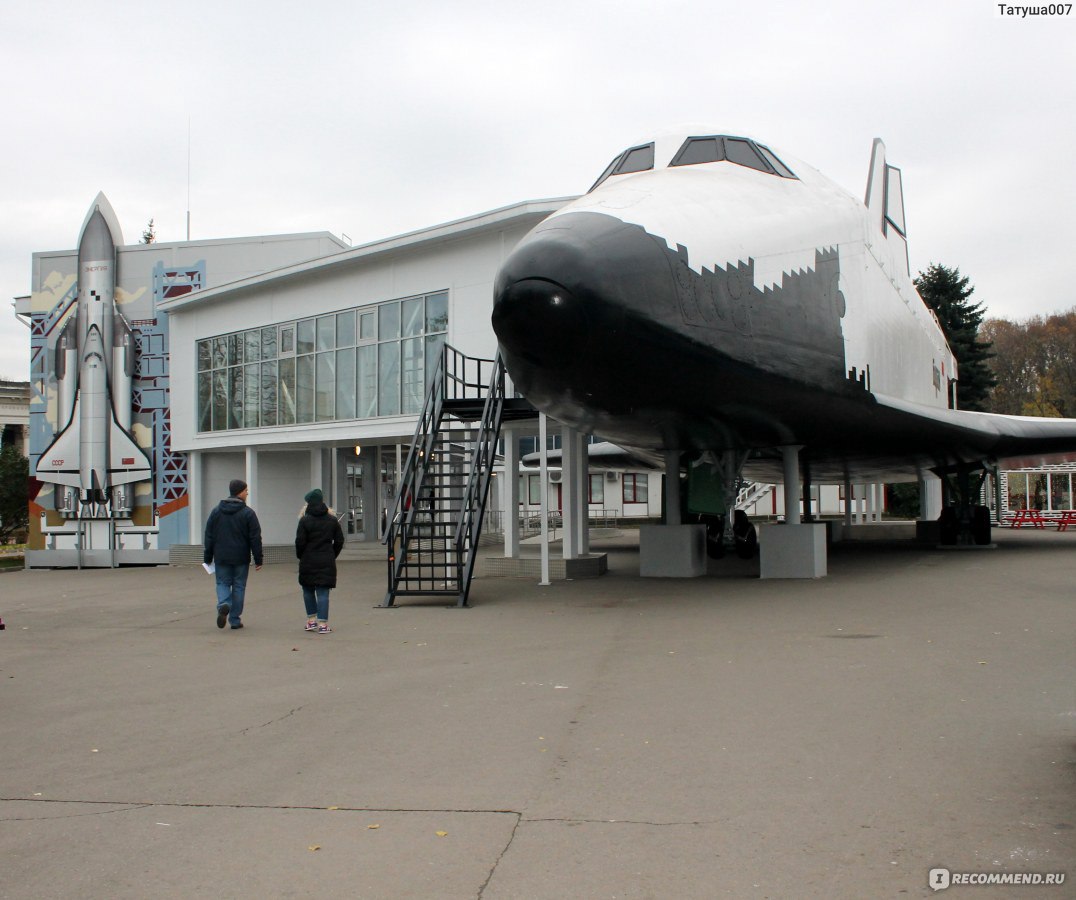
{"points": [[188, 178]]}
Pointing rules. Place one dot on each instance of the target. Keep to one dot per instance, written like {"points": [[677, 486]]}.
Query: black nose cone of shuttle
{"points": [[560, 300], [540, 321], [551, 298]]}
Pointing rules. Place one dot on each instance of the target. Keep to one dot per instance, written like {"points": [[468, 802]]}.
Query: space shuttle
{"points": [[94, 459], [712, 293]]}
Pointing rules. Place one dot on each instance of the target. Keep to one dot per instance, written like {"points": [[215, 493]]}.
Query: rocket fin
{"points": [[59, 463], [128, 462]]}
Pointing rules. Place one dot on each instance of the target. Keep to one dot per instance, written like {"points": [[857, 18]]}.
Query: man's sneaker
{"points": [[237, 625], [222, 614]]}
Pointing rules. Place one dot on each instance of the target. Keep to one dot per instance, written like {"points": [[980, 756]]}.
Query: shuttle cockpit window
{"points": [[634, 159], [740, 151], [781, 169], [699, 150]]}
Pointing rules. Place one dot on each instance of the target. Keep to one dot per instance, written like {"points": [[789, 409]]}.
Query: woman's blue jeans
{"points": [[317, 602]]}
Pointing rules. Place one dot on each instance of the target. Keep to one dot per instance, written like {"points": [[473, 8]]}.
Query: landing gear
{"points": [[963, 521]]}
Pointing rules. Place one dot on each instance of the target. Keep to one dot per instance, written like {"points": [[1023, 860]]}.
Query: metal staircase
{"points": [[436, 521], [751, 492]]}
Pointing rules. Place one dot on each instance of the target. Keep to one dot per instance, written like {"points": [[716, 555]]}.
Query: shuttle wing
{"points": [[128, 462], [990, 435], [59, 463]]}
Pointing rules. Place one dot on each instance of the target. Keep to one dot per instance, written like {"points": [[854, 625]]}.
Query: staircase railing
{"points": [[400, 523], [433, 550], [469, 529]]}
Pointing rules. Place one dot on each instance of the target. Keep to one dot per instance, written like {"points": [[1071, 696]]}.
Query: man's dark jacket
{"points": [[318, 541], [233, 534]]}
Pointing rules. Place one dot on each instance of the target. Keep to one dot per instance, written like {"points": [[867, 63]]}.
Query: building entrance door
{"points": [[353, 487], [389, 483]]}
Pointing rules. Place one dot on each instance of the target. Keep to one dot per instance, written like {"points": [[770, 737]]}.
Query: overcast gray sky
{"points": [[371, 119]]}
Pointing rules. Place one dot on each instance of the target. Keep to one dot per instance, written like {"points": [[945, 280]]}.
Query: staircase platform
{"points": [[590, 566]]}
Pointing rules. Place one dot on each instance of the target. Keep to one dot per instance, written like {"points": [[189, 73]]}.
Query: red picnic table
{"points": [[1068, 517], [1031, 517]]}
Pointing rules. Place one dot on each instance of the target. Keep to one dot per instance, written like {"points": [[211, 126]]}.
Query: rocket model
{"points": [[94, 459]]}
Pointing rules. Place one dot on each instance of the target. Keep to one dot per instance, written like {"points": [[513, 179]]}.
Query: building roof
{"points": [[528, 212]]}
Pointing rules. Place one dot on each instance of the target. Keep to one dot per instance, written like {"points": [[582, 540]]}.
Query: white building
{"points": [[313, 374], [15, 415]]}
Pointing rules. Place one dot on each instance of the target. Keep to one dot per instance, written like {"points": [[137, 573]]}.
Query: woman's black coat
{"points": [[318, 541]]}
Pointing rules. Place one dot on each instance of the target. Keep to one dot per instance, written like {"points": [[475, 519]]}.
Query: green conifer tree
{"points": [[949, 295]]}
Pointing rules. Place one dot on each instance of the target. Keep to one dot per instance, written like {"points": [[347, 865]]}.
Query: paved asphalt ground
{"points": [[610, 738]]}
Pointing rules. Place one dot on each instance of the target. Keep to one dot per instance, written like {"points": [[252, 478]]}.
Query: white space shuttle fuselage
{"points": [[94, 457], [711, 294]]}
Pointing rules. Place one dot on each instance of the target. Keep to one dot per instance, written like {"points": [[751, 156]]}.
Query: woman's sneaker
{"points": [[311, 626], [324, 628]]}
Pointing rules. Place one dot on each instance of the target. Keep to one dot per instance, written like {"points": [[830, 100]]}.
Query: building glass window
{"points": [[304, 336], [205, 401], [412, 375], [286, 399], [1037, 490], [269, 342], [534, 491], [412, 311], [1018, 490], [597, 488], [220, 400], [366, 389], [304, 388], [220, 352], [235, 349], [252, 349], [436, 313], [357, 363], [388, 321], [388, 378], [251, 394], [635, 487], [287, 340], [326, 387], [345, 383], [269, 391], [326, 333], [1060, 491], [345, 329]]}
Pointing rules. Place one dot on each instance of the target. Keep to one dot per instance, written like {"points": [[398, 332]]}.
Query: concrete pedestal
{"points": [[792, 551], [672, 551]]}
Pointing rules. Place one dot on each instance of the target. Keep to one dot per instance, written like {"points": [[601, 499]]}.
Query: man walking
{"points": [[232, 535]]}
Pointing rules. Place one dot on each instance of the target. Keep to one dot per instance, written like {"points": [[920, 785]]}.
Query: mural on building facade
{"points": [[99, 410]]}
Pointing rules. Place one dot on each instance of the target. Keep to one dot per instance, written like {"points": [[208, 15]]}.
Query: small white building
{"points": [[15, 415]]}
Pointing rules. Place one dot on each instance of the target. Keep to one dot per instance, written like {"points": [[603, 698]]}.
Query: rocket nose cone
{"points": [[96, 242]]}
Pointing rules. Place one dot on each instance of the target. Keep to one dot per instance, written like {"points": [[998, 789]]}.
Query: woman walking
{"points": [[318, 541]]}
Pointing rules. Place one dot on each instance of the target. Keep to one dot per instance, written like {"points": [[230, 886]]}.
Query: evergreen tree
{"points": [[14, 493], [149, 236], [949, 295]]}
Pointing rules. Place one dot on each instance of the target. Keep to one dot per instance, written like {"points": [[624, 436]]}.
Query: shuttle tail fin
{"points": [[885, 203]]}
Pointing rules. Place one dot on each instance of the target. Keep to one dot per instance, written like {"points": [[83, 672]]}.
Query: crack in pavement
{"points": [[272, 721]]}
